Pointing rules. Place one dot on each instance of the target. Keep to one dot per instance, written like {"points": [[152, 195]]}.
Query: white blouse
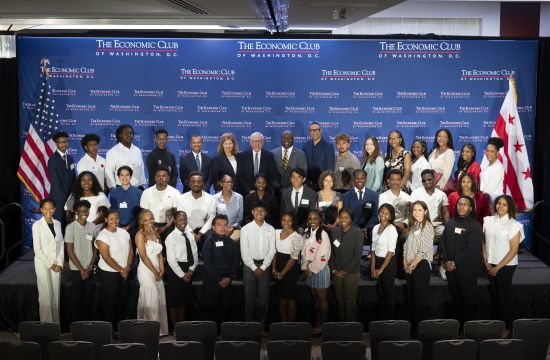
{"points": [[291, 245], [119, 247], [491, 179], [416, 169], [443, 164], [498, 233], [96, 202], [385, 242]]}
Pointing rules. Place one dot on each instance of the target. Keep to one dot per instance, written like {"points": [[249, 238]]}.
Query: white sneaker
{"points": [[442, 273]]}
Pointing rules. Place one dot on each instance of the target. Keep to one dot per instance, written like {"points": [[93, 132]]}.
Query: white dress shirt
{"points": [[96, 167], [159, 201], [257, 243], [385, 242], [498, 233], [119, 155], [434, 202], [293, 196], [176, 250], [288, 152], [200, 212]]}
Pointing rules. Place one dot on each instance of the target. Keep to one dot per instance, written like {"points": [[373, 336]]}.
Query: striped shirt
{"points": [[419, 243]]}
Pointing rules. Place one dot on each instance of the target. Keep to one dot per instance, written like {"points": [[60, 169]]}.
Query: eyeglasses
{"points": [[427, 180]]}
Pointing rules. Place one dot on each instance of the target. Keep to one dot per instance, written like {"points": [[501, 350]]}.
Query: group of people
{"points": [[282, 214]]}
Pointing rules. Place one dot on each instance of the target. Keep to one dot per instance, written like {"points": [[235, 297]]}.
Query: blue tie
{"points": [[198, 161]]}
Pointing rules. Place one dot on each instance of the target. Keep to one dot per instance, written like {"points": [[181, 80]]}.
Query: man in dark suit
{"points": [[298, 199], [363, 202], [319, 154], [61, 170], [255, 161], [196, 160], [287, 157]]}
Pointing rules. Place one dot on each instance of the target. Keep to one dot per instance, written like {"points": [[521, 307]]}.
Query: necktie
{"points": [[256, 164], [198, 161], [296, 200], [360, 195], [285, 159], [66, 163]]}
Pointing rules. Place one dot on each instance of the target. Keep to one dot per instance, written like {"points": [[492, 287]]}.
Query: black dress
{"points": [[286, 287]]}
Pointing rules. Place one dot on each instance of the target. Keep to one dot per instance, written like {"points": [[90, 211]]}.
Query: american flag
{"points": [[39, 146]]}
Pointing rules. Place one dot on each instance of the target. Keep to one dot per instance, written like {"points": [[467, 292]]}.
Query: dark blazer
{"points": [[347, 255], [287, 204], [61, 179], [188, 165], [220, 166], [245, 170], [297, 159], [319, 157], [272, 216], [366, 211]]}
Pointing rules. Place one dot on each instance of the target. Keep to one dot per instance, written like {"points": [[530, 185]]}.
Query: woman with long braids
{"points": [[315, 257]]}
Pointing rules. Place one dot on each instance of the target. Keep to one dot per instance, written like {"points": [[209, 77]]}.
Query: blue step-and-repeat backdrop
{"points": [[211, 86]]}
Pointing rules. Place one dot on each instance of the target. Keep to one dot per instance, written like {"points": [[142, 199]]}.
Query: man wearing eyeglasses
{"points": [[319, 154], [256, 161]]}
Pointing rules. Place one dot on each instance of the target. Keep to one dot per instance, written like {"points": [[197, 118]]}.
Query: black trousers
{"points": [[501, 294], [217, 301], [418, 292], [464, 293], [385, 287], [114, 293], [81, 296], [401, 238]]}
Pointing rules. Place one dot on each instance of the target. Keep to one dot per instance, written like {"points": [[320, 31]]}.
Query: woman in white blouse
{"points": [[442, 160], [284, 269], [87, 187], [383, 266], [417, 259], [115, 262], [491, 177], [47, 241], [419, 151], [182, 258], [500, 255]]}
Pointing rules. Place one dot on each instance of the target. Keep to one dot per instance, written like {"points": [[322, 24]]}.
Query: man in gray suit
{"points": [[287, 157]]}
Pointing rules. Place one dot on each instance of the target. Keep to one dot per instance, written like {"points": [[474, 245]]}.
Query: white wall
{"points": [[544, 29], [486, 13]]}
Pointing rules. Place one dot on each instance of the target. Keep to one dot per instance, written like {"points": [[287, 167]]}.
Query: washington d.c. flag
{"points": [[518, 182]]}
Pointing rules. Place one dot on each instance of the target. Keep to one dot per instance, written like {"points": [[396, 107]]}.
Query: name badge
{"points": [[222, 206], [72, 166], [89, 237], [324, 203], [341, 168], [336, 243], [368, 205], [160, 162], [458, 230], [123, 205], [219, 243], [305, 201]]}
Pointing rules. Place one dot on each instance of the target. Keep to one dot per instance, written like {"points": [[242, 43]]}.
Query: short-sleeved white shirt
{"points": [[119, 247], [382, 243], [434, 202], [498, 233]]}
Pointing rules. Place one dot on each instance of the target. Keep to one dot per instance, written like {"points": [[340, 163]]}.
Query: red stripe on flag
{"points": [[510, 178], [39, 175], [29, 183], [39, 154]]}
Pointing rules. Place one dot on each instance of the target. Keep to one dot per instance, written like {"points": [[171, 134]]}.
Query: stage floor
{"points": [[531, 294]]}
